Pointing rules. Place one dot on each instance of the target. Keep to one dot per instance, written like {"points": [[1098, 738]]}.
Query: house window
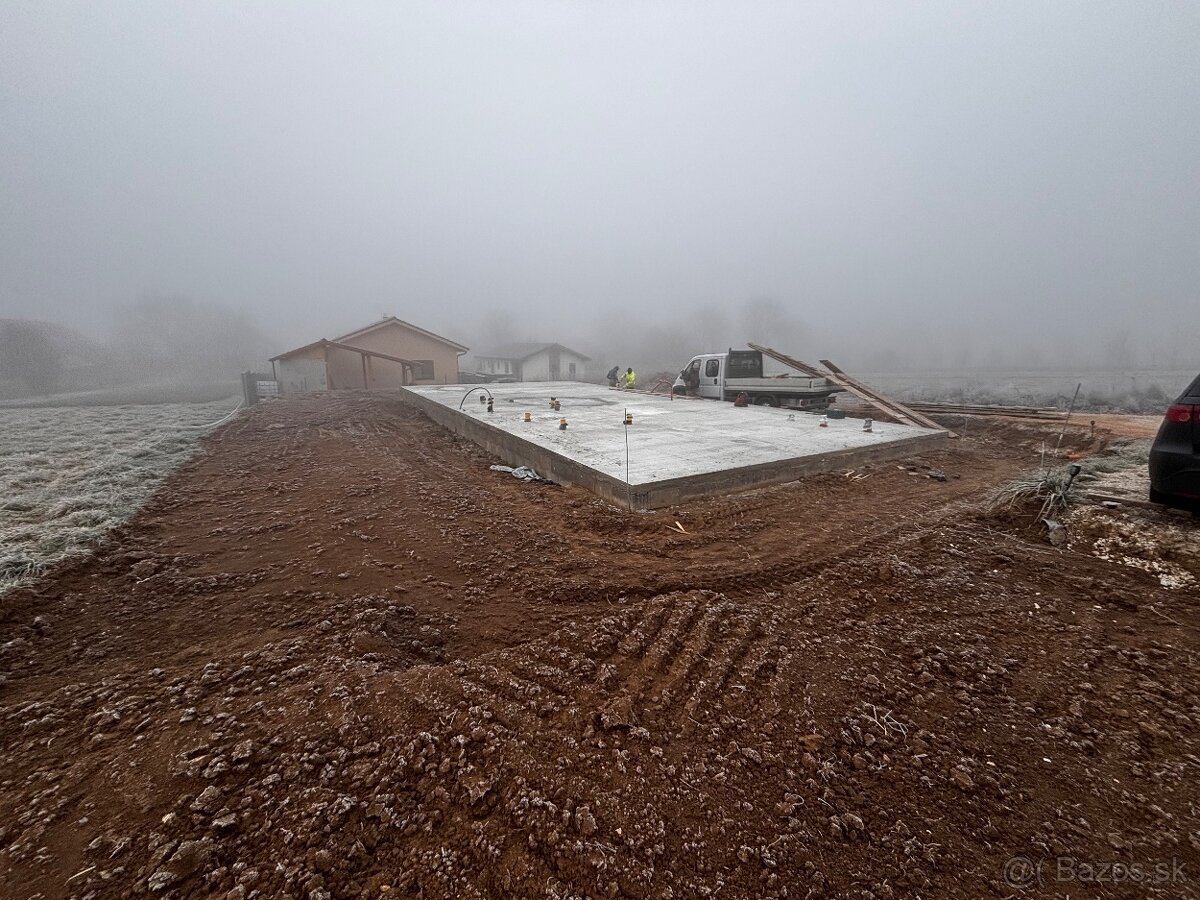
{"points": [[422, 369], [571, 370]]}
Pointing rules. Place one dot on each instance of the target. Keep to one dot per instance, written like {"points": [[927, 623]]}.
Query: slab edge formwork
{"points": [[517, 451]]}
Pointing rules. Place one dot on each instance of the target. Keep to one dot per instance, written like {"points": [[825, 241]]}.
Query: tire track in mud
{"points": [[661, 662], [743, 583], [753, 582], [669, 661], [675, 663]]}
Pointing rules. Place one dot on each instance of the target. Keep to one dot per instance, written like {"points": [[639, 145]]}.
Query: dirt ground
{"points": [[1117, 426], [337, 656]]}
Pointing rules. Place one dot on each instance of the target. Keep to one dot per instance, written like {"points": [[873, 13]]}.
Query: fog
{"points": [[890, 185]]}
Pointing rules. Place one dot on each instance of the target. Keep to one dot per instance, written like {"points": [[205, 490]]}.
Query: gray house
{"points": [[531, 362]]}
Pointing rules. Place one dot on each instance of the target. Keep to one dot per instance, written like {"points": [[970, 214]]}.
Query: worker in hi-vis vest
{"points": [[629, 379]]}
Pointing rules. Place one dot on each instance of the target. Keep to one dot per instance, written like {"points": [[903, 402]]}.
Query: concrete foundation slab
{"points": [[678, 449]]}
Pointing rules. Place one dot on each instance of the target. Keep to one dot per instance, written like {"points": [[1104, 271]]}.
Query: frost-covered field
{"points": [[69, 474], [1115, 390]]}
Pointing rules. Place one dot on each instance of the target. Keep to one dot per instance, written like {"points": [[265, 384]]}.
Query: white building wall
{"points": [[298, 374], [489, 365], [580, 367], [537, 367], [533, 368]]}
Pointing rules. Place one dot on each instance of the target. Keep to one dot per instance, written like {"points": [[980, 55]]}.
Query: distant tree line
{"points": [[152, 340], [174, 338], [30, 357]]}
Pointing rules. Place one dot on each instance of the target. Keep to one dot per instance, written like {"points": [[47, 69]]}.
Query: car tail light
{"points": [[1181, 412]]}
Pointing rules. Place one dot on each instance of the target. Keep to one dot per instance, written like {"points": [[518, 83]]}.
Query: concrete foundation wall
{"points": [[516, 451]]}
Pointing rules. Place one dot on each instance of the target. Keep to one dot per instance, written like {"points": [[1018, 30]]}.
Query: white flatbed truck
{"points": [[724, 376]]}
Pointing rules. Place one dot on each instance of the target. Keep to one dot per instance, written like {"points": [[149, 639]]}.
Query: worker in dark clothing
{"points": [[612, 376]]}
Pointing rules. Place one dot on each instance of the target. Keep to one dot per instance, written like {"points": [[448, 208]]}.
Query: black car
{"points": [[1175, 454]]}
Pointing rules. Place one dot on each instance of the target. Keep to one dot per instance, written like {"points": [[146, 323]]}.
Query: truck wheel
{"points": [[768, 400]]}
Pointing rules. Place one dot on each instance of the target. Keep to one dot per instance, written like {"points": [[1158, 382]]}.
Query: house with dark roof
{"points": [[530, 362], [385, 354]]}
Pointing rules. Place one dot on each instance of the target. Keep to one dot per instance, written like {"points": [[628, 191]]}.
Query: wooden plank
{"points": [[906, 417], [935, 406], [1025, 417], [899, 410], [896, 410], [797, 364], [1028, 412], [1124, 501]]}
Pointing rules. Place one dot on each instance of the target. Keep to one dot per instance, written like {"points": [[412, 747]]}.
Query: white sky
{"points": [[982, 172]]}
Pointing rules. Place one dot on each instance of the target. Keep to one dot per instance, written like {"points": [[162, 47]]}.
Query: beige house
{"points": [[386, 354]]}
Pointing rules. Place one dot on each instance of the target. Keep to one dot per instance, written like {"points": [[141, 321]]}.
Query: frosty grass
{"points": [[68, 475]]}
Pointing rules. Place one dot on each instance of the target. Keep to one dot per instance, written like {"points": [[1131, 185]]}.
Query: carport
{"points": [[307, 368]]}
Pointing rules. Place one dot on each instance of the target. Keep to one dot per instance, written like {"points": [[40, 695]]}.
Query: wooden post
{"points": [[249, 388]]}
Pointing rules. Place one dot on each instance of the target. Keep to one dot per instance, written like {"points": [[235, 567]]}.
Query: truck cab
{"points": [[723, 376], [704, 376]]}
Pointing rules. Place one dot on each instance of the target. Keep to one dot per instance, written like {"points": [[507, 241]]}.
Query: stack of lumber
{"points": [[1042, 413]]}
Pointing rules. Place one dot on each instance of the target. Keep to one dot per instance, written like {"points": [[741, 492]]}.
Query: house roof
{"points": [[392, 320], [519, 351], [321, 343], [340, 346]]}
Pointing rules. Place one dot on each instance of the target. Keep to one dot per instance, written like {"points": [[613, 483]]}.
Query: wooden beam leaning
{"points": [[896, 410], [804, 367], [891, 407]]}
